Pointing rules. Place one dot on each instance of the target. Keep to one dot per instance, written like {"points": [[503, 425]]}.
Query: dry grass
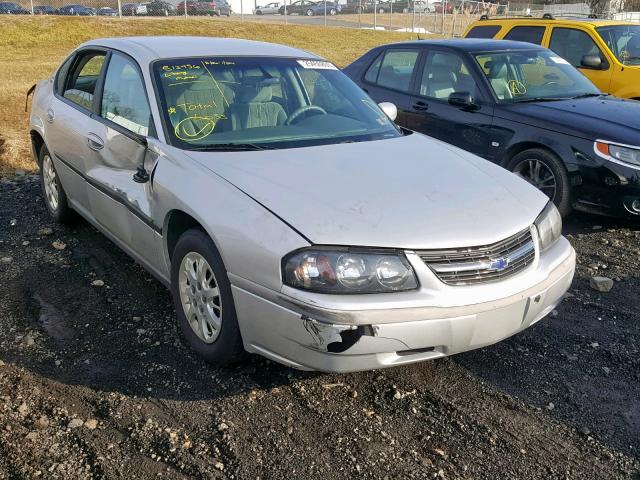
{"points": [[32, 48]]}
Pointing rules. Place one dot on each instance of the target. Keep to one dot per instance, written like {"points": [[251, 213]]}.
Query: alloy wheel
{"points": [[538, 174], [50, 183], [200, 297]]}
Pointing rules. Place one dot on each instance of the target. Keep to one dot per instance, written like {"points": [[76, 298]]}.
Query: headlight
{"points": [[624, 154], [549, 225], [336, 270]]}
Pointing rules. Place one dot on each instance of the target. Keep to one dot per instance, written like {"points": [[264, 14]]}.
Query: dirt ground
{"points": [[96, 383]]}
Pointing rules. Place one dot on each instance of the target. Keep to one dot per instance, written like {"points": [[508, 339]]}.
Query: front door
{"points": [[390, 78], [119, 204], [573, 45], [443, 73]]}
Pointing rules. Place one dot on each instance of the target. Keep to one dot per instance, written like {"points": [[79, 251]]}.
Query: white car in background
{"points": [[284, 209], [269, 9]]}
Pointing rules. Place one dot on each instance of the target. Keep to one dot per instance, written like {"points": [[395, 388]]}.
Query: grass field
{"points": [[31, 49]]}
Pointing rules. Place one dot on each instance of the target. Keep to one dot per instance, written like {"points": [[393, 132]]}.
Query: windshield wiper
{"points": [[587, 95], [543, 99], [231, 147]]}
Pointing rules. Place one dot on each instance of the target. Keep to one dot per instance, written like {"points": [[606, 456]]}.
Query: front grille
{"points": [[488, 263]]}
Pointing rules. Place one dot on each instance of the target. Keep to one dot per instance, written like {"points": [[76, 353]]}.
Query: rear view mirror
{"points": [[462, 100], [591, 61], [389, 109]]}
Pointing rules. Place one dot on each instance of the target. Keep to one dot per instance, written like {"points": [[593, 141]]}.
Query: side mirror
{"points": [[591, 61], [462, 100], [389, 109]]}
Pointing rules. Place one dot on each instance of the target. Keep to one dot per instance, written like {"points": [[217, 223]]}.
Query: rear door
{"points": [[391, 78], [120, 204], [442, 73], [69, 119]]}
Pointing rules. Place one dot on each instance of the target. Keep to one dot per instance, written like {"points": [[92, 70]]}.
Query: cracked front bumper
{"points": [[309, 336]]}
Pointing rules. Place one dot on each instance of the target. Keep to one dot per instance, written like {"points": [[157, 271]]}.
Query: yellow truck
{"points": [[606, 51]]}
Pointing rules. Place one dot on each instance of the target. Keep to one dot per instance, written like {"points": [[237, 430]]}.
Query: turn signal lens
{"points": [[603, 148]]}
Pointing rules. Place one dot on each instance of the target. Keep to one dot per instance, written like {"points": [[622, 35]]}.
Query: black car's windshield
{"points": [[537, 75], [264, 102], [623, 41]]}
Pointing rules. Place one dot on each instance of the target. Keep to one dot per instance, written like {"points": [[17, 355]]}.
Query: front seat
{"points": [[498, 78], [254, 107]]}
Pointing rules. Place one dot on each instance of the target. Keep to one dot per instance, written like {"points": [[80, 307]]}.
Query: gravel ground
{"points": [[96, 383]]}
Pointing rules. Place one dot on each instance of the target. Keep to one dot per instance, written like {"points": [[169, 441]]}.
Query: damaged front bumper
{"points": [[310, 336]]}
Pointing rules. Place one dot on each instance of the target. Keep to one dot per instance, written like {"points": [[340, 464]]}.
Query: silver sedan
{"points": [[287, 213]]}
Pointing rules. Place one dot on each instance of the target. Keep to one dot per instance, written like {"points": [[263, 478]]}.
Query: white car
{"points": [[269, 9], [287, 213]]}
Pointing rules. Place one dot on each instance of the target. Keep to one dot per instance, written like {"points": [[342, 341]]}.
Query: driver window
{"points": [[445, 73], [124, 100], [83, 76], [572, 45]]}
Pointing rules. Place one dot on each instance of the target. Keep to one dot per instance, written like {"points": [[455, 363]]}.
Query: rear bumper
{"points": [[310, 337]]}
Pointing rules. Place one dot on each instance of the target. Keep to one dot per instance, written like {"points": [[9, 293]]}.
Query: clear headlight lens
{"points": [[624, 154], [549, 225], [328, 270]]}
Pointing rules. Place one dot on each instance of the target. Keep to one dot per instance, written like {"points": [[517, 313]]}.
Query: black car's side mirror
{"points": [[462, 100], [591, 61]]}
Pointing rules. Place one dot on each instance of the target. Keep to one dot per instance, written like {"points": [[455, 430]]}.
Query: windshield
{"points": [[532, 76], [259, 102], [623, 41]]}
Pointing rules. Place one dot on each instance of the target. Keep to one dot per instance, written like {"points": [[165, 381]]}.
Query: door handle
{"points": [[94, 142], [420, 106], [50, 116]]}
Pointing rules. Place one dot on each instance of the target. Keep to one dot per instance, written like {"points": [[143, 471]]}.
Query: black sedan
{"points": [[79, 10], [160, 8], [44, 10], [11, 8], [518, 105]]}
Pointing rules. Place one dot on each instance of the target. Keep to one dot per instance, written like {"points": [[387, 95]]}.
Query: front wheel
{"points": [[203, 301], [333, 11], [545, 171], [310, 13]]}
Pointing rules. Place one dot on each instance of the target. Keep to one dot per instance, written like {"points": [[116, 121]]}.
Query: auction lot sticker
{"points": [[317, 64]]}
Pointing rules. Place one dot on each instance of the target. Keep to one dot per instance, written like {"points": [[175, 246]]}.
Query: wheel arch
{"points": [[517, 148], [176, 223], [36, 144]]}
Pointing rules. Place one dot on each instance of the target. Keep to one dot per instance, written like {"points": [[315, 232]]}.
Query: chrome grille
{"points": [[488, 263]]}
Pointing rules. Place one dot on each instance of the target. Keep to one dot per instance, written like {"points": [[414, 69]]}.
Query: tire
{"points": [[405, 10], [332, 12], [309, 13], [259, 12], [226, 344], [521, 164], [54, 196], [381, 10]]}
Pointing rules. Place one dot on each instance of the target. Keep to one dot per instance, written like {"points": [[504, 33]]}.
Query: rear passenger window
{"points": [[396, 69], [82, 78], [483, 31], [124, 100], [526, 34]]}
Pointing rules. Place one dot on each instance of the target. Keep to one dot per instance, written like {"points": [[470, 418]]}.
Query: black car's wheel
{"points": [[203, 301], [54, 195], [310, 13], [381, 10], [333, 12], [545, 171]]}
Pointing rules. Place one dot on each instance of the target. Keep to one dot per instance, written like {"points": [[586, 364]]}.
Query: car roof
{"points": [[596, 22], [147, 49], [473, 44]]}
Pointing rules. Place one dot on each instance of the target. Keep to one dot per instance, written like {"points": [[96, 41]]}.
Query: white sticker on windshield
{"points": [[559, 60], [317, 64]]}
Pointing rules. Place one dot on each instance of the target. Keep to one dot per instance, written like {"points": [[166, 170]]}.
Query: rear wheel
{"points": [[203, 301], [54, 195], [310, 13], [332, 11], [545, 171]]}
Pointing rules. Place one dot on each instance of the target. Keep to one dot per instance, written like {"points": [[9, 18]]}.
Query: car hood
{"points": [[607, 118], [410, 192]]}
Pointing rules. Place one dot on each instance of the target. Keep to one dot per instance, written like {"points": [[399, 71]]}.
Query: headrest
{"points": [[255, 94], [443, 76], [496, 68]]}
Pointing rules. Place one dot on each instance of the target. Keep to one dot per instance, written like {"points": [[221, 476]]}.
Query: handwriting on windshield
{"points": [[196, 127]]}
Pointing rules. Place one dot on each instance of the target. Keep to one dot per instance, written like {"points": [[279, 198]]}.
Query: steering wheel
{"points": [[301, 110], [549, 83]]}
